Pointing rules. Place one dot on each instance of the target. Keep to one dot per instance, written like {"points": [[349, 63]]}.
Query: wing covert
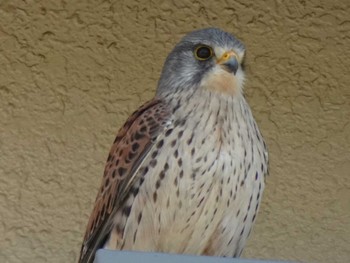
{"points": [[133, 142]]}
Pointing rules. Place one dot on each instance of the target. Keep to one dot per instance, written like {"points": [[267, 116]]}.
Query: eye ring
{"points": [[203, 52]]}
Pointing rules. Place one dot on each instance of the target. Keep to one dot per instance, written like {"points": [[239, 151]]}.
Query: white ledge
{"points": [[115, 256]]}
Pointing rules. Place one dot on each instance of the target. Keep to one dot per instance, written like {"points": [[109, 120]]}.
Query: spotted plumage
{"points": [[186, 172]]}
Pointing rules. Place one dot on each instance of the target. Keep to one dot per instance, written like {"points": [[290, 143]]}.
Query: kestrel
{"points": [[186, 172]]}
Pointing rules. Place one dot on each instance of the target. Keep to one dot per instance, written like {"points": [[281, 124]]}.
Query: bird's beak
{"points": [[229, 61]]}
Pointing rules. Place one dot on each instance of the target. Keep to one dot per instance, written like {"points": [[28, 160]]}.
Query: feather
{"points": [[133, 142]]}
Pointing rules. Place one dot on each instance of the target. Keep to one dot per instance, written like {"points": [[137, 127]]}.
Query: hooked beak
{"points": [[229, 61]]}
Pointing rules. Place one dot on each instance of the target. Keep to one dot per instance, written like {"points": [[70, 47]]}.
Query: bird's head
{"points": [[208, 59]]}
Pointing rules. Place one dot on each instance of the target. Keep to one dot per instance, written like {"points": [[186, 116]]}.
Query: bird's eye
{"points": [[203, 52]]}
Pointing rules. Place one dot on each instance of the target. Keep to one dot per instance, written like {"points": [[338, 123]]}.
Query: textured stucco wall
{"points": [[72, 71]]}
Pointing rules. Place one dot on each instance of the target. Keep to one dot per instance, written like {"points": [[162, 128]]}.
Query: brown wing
{"points": [[132, 143]]}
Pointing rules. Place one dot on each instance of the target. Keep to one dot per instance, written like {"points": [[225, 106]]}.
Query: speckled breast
{"points": [[200, 188]]}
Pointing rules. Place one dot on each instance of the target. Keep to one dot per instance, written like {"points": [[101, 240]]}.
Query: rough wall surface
{"points": [[72, 71]]}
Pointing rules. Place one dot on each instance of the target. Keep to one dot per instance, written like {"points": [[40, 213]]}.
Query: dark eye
{"points": [[203, 52]]}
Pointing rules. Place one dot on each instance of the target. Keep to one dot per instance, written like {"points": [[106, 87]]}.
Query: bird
{"points": [[187, 171]]}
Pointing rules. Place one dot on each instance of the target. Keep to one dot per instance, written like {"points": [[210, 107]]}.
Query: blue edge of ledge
{"points": [[114, 256]]}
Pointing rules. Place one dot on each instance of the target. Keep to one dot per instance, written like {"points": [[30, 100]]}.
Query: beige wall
{"points": [[72, 71]]}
